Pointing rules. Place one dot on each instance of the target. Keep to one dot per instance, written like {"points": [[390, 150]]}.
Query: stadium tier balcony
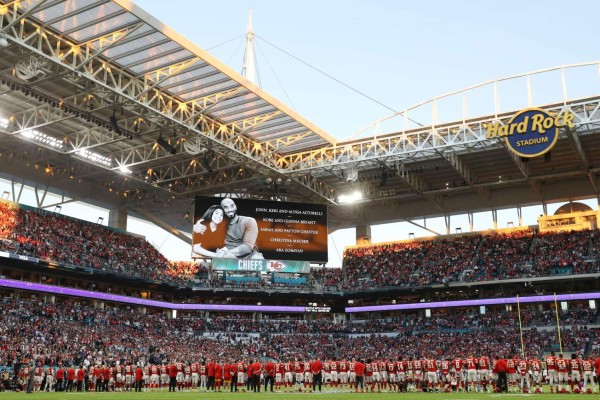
{"points": [[521, 253]]}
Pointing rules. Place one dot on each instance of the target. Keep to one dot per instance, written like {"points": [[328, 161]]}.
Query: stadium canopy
{"points": [[103, 103]]}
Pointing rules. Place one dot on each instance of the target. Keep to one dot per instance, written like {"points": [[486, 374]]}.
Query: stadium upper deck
{"points": [[89, 88]]}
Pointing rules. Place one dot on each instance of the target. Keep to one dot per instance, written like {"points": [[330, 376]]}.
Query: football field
{"points": [[278, 396]]}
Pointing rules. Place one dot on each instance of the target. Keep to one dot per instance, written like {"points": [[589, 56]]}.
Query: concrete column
{"points": [[118, 219], [363, 234], [470, 216]]}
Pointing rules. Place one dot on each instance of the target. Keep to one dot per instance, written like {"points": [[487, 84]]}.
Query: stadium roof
{"points": [[88, 88]]}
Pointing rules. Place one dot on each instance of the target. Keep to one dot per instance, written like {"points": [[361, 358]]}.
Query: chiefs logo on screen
{"points": [[276, 266]]}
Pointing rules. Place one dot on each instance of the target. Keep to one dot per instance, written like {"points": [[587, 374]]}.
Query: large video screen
{"points": [[255, 230]]}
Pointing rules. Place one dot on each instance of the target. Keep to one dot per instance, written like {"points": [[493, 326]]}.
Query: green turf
{"points": [[276, 396]]}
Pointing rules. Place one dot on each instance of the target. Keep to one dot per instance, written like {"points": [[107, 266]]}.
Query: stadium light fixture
{"points": [[43, 138], [95, 157], [350, 198], [124, 169]]}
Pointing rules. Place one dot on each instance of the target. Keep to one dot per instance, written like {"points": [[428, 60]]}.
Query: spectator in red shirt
{"points": [[172, 377], [501, 368], [359, 369], [70, 379], [139, 375], [81, 374], [218, 376], [60, 378], [256, 369], [269, 374], [316, 368], [250, 376], [210, 384]]}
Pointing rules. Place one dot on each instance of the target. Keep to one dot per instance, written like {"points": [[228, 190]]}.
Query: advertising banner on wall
{"points": [[288, 266], [259, 230]]}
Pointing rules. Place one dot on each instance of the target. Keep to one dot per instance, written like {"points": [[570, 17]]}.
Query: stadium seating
{"points": [[456, 258], [71, 331], [471, 258]]}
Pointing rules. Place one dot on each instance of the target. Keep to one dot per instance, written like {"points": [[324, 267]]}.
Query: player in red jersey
{"points": [[154, 377], [471, 363], [146, 378], [552, 372], [588, 376], [38, 378], [458, 365], [327, 375], [511, 374], [299, 371], [597, 368], [343, 374], [376, 376], [575, 373], [279, 374], [445, 368], [483, 363], [418, 367], [203, 376], [535, 366], [308, 387], [195, 378], [401, 374], [24, 376], [523, 371], [562, 368], [383, 373], [391, 370], [164, 376], [288, 377], [187, 376], [368, 376], [352, 373], [410, 373], [334, 375], [119, 377], [241, 367], [432, 377]]}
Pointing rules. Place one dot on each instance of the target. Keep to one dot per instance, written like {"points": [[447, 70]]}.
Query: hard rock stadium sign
{"points": [[531, 132]]}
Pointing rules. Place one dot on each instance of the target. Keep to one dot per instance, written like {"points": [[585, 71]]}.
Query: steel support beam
{"points": [[574, 138], [162, 224], [224, 138], [466, 172]]}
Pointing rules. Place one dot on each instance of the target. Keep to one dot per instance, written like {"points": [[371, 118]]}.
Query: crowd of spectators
{"points": [[71, 331], [473, 257]]}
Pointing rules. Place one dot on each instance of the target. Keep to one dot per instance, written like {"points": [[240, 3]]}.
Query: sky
{"points": [[398, 53]]}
